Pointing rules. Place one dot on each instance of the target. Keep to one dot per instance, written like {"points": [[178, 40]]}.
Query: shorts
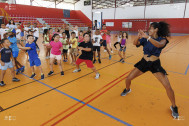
{"points": [[154, 66], [21, 34], [122, 49], [15, 54], [58, 57], [89, 63], [35, 62], [7, 65], [65, 51], [73, 51], [104, 43], [96, 48]]}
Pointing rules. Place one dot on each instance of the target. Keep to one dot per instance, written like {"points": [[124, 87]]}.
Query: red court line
{"points": [[83, 99], [87, 103]]}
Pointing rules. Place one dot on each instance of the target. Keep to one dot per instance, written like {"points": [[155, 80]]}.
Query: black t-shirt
{"points": [[86, 55], [6, 54]]}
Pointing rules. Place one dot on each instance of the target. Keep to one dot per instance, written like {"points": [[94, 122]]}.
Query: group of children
{"points": [[56, 43]]}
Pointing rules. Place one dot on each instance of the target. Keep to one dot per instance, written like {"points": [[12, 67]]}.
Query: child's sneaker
{"points": [[42, 77], [62, 73], [94, 61], [99, 60], [50, 73], [66, 60], [105, 50], [121, 60], [32, 76], [22, 69], [17, 71], [15, 79], [97, 76], [110, 57], [76, 70], [2, 84], [112, 52]]}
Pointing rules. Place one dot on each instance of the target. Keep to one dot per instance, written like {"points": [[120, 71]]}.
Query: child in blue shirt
{"points": [[33, 56], [6, 62], [15, 50]]}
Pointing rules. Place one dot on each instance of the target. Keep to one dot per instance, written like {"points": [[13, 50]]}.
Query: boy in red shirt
{"points": [[103, 33]]}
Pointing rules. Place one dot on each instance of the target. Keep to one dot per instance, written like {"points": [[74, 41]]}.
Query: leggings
{"points": [[116, 44]]}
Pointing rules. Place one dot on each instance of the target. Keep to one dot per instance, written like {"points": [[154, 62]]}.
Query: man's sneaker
{"points": [[125, 92], [22, 69], [15, 79], [32, 76], [94, 61], [105, 50], [62, 73], [99, 60], [76, 70], [50, 73], [97, 76], [174, 112], [2, 84], [110, 57], [42, 77], [121, 60], [66, 60]]}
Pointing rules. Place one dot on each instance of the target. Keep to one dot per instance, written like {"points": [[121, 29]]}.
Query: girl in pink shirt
{"points": [[56, 47], [108, 40]]}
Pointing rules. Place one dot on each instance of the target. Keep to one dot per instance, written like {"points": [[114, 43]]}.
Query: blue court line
{"points": [[167, 70], [119, 120], [187, 70]]}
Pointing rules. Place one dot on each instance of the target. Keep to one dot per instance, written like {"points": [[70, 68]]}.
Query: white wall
{"points": [[106, 13], [87, 10], [130, 12], [165, 11]]}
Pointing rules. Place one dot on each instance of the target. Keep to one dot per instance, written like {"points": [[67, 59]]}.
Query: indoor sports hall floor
{"points": [[77, 99]]}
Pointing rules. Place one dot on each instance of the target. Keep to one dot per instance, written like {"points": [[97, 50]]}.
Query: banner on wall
{"points": [[110, 24], [126, 24], [66, 13]]}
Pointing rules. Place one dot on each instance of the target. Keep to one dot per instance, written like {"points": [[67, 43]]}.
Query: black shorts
{"points": [[154, 66], [96, 48], [104, 43], [65, 51]]}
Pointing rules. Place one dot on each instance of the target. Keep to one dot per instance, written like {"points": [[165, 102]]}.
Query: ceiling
{"points": [[103, 4], [66, 1]]}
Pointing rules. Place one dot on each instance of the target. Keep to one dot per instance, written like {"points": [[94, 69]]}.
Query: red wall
{"points": [[177, 25], [41, 12]]}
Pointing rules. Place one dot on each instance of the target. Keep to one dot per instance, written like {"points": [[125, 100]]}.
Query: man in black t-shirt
{"points": [[87, 55], [5, 62]]}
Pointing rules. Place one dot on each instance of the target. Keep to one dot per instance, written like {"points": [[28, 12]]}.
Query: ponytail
{"points": [[163, 28]]}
